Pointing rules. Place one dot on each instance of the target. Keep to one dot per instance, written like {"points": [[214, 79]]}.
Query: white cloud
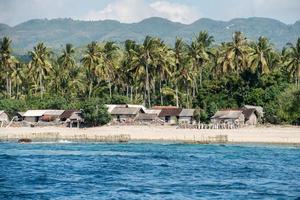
{"points": [[129, 11]]}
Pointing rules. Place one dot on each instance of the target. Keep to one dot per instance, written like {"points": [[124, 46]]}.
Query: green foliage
{"points": [[12, 106], [95, 113]]}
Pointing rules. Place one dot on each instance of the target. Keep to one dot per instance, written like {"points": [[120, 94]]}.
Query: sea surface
{"points": [[148, 171]]}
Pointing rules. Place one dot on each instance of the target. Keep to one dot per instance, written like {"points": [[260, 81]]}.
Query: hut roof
{"points": [[1, 111], [162, 107], [68, 113], [248, 112], [34, 113], [153, 111], [227, 114], [126, 111], [137, 106], [112, 106], [259, 109], [145, 116], [76, 116], [187, 112], [21, 113], [54, 112], [170, 111]]}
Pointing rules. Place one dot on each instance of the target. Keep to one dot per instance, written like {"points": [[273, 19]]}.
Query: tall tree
{"points": [[40, 64], [292, 56], [200, 52], [7, 63], [259, 56]]}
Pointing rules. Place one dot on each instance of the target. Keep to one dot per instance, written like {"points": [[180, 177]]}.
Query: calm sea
{"points": [[148, 171]]}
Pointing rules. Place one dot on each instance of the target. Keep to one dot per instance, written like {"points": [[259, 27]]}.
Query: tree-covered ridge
{"points": [[196, 74], [61, 31]]}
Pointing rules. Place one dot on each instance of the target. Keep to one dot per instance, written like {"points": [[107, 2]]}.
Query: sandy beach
{"points": [[272, 135]]}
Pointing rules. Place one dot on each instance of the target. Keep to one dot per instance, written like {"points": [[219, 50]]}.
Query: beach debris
{"points": [[24, 140]]}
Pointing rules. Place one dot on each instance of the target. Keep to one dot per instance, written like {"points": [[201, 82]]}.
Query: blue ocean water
{"points": [[148, 171]]}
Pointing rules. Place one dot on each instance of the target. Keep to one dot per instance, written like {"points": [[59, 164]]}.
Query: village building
{"points": [[4, 119], [169, 114], [251, 116], [73, 118], [110, 107], [235, 117], [33, 115], [259, 111], [20, 116], [127, 114], [52, 115], [186, 116], [146, 118]]}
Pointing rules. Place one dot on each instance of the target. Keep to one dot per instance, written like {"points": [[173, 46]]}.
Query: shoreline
{"points": [[252, 135]]}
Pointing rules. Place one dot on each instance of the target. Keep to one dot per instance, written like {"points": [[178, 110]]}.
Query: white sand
{"points": [[275, 134]]}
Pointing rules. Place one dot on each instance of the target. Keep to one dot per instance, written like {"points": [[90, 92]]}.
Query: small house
{"points": [[33, 115], [251, 116], [73, 118], [169, 114], [228, 117], [110, 107], [20, 116], [127, 114], [186, 116], [51, 115], [147, 118], [259, 111], [3, 118]]}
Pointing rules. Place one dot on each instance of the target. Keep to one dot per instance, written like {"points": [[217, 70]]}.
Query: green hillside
{"points": [[57, 32]]}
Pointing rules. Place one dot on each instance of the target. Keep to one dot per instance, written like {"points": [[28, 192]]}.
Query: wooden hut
{"points": [[186, 116], [228, 117], [127, 114], [52, 115], [33, 115], [73, 118], [169, 114]]}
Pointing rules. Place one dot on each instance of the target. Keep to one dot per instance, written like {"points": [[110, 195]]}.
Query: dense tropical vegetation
{"points": [[200, 74]]}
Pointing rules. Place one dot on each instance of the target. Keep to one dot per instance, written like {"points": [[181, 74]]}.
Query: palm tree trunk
{"points": [[41, 85], [177, 102], [148, 86], [90, 89], [109, 85], [131, 94], [160, 92]]}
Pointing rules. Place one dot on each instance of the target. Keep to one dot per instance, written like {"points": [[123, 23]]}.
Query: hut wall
{"points": [[32, 119], [4, 117], [252, 120], [185, 119]]}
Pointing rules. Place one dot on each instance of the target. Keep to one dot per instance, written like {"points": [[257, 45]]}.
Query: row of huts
{"points": [[138, 114], [158, 114], [69, 117]]}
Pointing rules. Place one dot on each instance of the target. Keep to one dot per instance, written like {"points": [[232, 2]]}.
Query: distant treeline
{"points": [[199, 74]]}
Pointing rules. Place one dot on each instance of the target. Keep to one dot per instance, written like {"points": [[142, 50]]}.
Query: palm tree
{"points": [[40, 64], [237, 49], [18, 77], [259, 55], [292, 56], [200, 52], [223, 60], [142, 61], [110, 57], [91, 61], [66, 60], [7, 62]]}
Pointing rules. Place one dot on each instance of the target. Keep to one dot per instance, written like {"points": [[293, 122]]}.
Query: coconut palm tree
{"points": [[40, 64], [292, 57], [143, 60], [7, 62], [259, 56], [90, 62], [237, 49], [110, 59], [200, 52]]}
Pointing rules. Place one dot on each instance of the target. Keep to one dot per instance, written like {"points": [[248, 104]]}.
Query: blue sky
{"points": [[13, 12]]}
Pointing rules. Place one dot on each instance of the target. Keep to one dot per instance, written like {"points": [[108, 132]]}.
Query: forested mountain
{"points": [[54, 33]]}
